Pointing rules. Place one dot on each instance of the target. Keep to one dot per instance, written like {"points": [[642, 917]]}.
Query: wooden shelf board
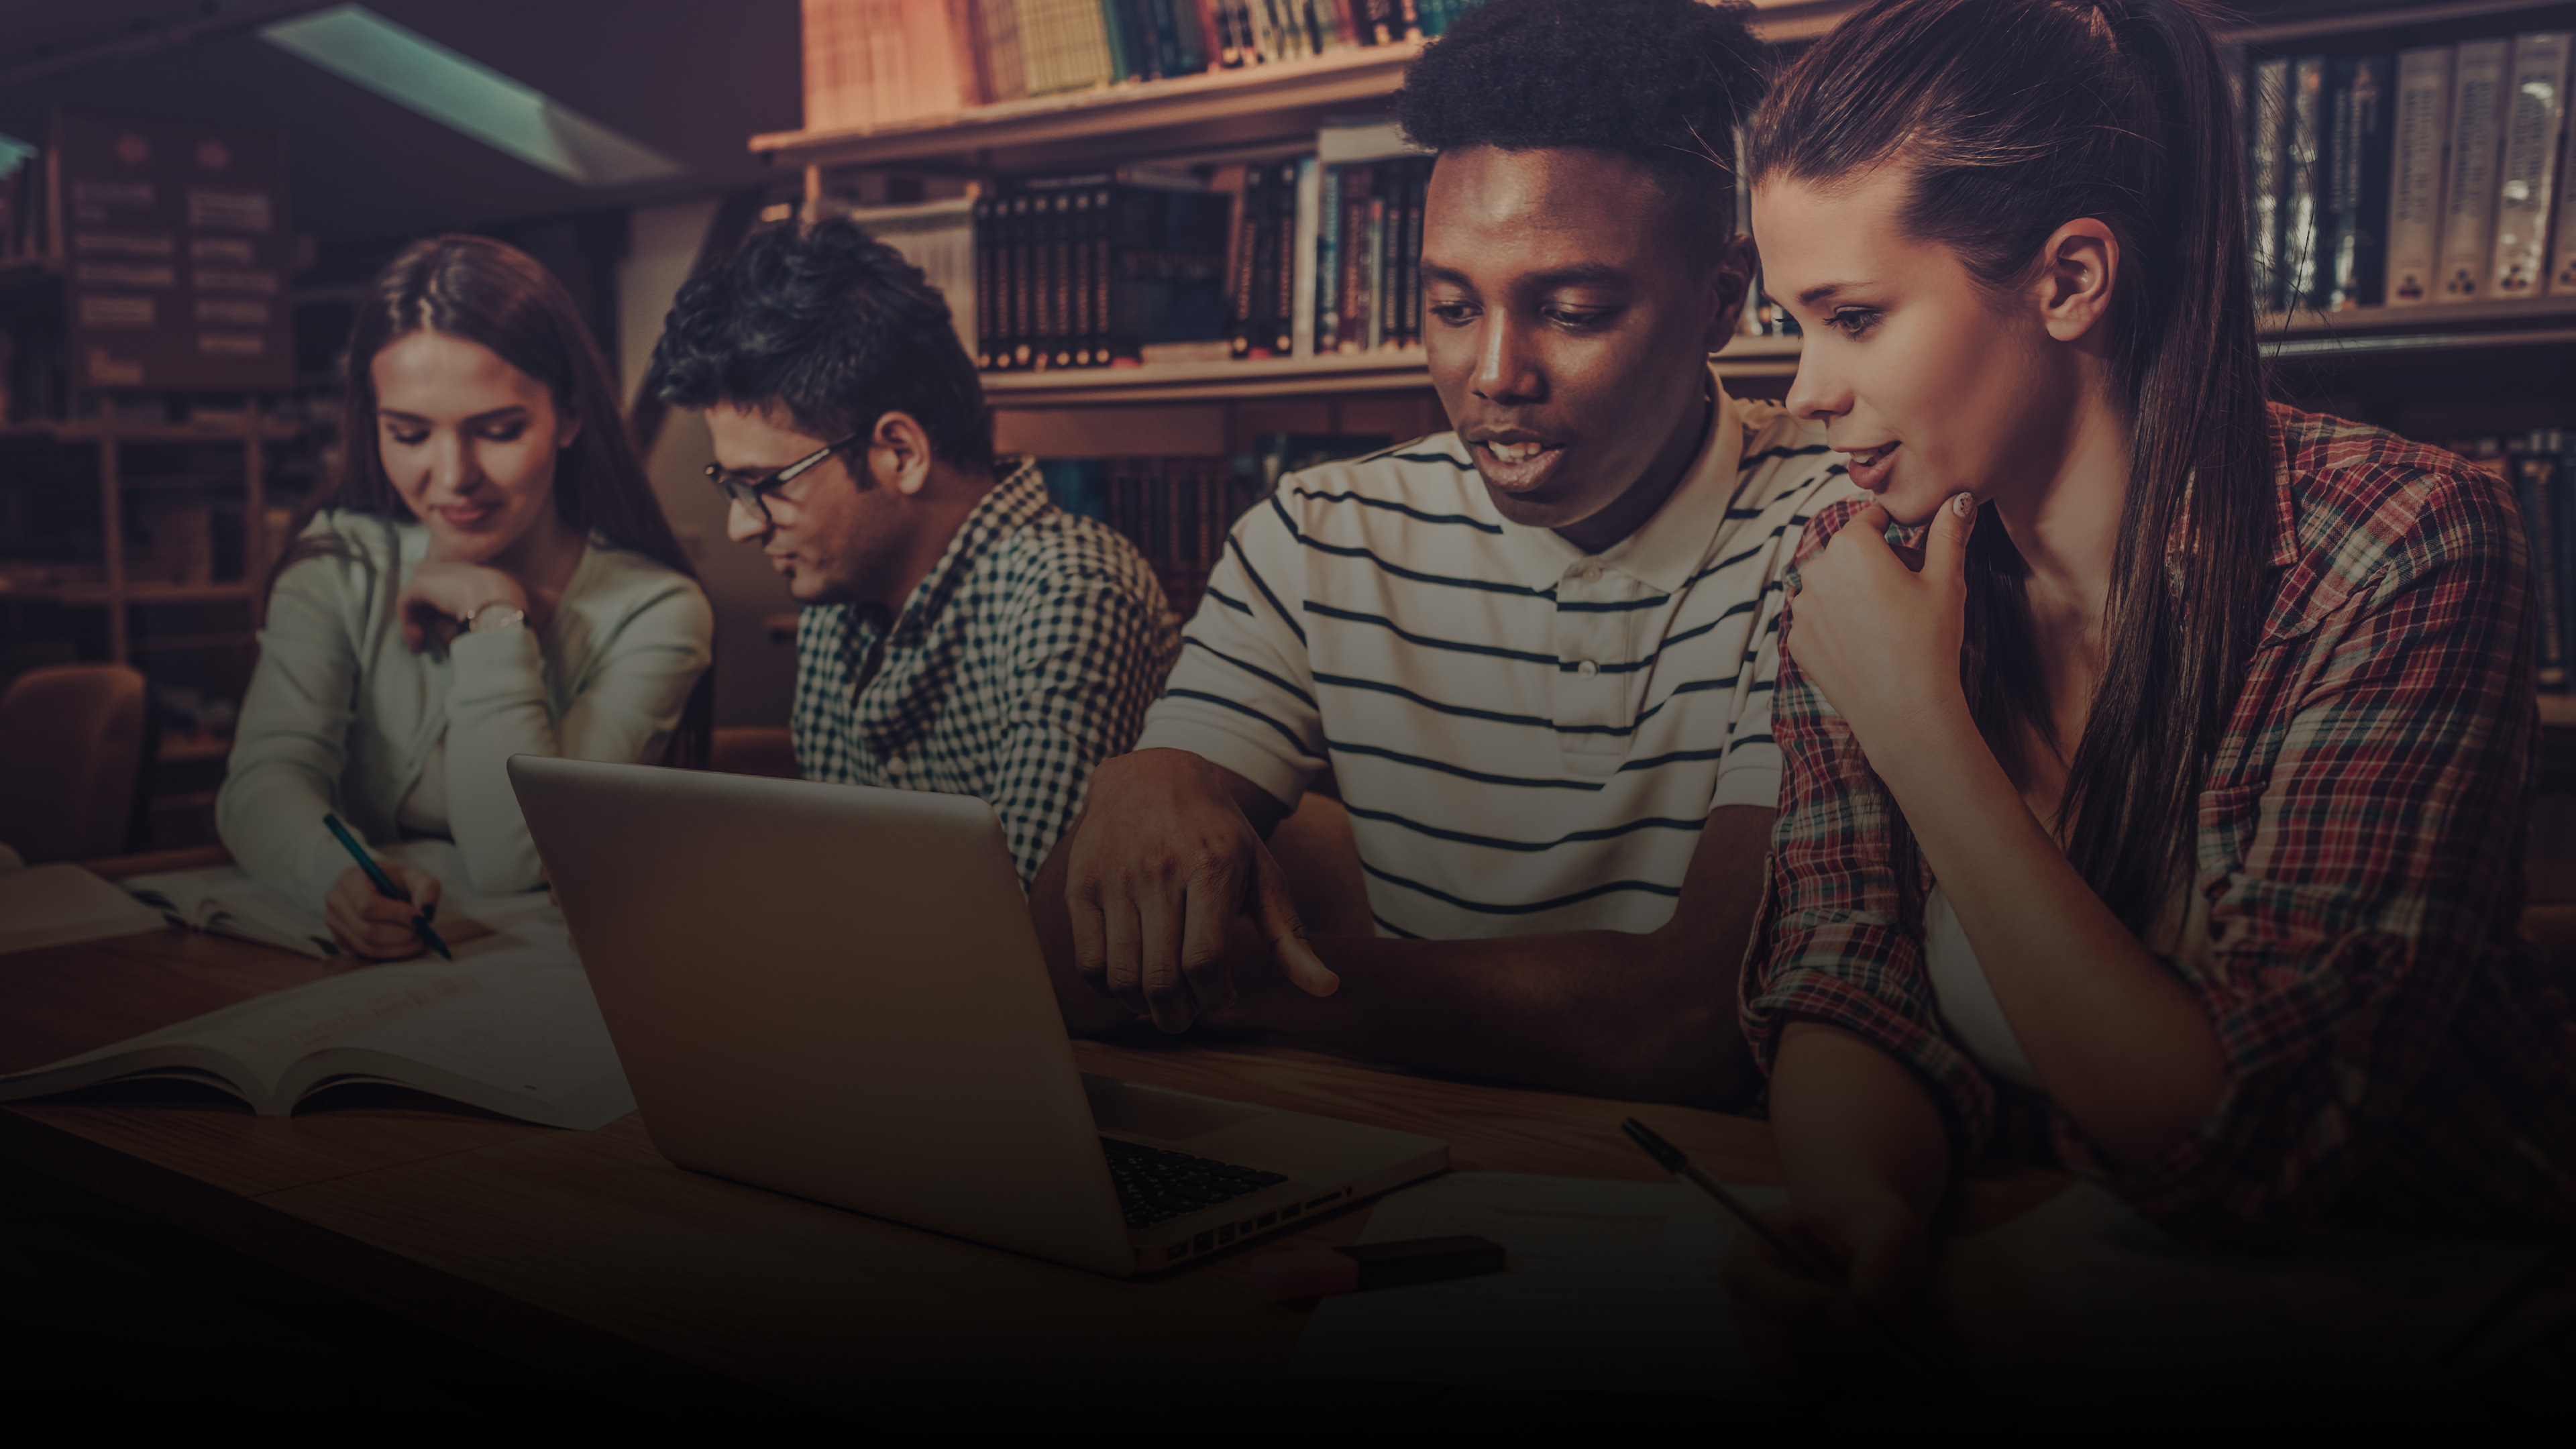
{"points": [[1348, 76], [2430, 327], [176, 643], [1385, 371], [2558, 711], [1338, 78], [100, 595], [91, 430]]}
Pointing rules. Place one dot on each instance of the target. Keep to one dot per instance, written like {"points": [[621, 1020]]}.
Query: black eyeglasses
{"points": [[753, 493]]}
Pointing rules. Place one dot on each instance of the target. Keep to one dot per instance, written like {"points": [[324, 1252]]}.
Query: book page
{"points": [[254, 1043], [529, 1043], [1611, 1287], [58, 905]]}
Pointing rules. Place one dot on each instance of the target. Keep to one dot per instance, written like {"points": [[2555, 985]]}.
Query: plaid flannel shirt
{"points": [[2388, 1038], [1025, 658]]}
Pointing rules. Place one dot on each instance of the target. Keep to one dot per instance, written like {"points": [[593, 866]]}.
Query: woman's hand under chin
{"points": [[442, 594], [1879, 627]]}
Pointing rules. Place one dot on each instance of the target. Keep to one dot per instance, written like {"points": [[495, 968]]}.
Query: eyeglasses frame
{"points": [[756, 493]]}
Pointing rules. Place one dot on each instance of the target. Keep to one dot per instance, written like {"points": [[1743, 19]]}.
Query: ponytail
{"points": [[2011, 118]]}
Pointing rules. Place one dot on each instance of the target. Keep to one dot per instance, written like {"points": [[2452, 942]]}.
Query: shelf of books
{"points": [[1386, 370], [1016, 84]]}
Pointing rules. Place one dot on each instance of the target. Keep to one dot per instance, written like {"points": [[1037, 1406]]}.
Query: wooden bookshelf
{"points": [[1273, 377], [1199, 113], [2430, 327], [1216, 107]]}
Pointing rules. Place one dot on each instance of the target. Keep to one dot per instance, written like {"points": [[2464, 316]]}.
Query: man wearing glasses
{"points": [[960, 633]]}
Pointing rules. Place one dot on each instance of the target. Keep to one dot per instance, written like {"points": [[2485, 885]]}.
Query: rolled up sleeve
{"points": [[1841, 935]]}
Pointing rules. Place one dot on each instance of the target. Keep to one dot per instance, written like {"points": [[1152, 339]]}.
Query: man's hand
{"points": [[1162, 861]]}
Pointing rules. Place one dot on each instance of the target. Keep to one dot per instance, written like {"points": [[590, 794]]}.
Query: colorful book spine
{"points": [[2535, 116], [2267, 177], [2420, 150], [2562, 262], [1282, 308], [1308, 227], [2477, 145], [1328, 260], [2538, 463], [2303, 194], [986, 292], [2359, 156], [1358, 288]]}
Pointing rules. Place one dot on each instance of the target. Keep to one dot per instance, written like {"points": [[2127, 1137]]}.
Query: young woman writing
{"points": [[2170, 782], [490, 575]]}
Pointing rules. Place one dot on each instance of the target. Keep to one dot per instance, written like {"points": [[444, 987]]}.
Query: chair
{"points": [[74, 746]]}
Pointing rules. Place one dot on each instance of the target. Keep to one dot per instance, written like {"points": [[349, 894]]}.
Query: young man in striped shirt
{"points": [[1535, 653]]}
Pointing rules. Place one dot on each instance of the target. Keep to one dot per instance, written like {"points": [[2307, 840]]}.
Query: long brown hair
{"points": [[2011, 118], [494, 294]]}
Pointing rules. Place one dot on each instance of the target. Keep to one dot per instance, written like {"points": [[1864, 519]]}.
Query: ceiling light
{"points": [[418, 73]]}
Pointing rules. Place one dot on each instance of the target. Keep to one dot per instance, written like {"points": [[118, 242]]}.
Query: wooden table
{"points": [[588, 1256]]}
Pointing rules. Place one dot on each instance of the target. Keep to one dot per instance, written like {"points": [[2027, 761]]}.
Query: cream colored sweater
{"points": [[341, 717]]}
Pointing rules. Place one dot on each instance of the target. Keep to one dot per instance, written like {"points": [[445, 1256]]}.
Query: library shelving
{"points": [[2444, 371]]}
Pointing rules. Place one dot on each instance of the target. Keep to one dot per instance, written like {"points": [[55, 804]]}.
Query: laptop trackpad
{"points": [[1142, 1111]]}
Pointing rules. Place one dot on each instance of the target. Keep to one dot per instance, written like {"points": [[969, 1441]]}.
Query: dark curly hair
{"points": [[1663, 82], [832, 325]]}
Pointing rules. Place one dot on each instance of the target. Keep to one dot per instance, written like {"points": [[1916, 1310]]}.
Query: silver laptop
{"points": [[836, 992]]}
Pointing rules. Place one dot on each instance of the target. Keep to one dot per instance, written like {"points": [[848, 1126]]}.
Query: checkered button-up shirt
{"points": [[2389, 1040], [1025, 658]]}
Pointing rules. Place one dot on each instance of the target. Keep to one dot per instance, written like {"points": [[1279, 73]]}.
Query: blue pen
{"points": [[385, 884]]}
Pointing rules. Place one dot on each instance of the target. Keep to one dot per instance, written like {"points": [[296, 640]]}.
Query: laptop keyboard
{"points": [[1156, 1185]]}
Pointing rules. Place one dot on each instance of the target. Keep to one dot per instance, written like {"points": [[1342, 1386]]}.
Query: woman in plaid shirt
{"points": [[2171, 782]]}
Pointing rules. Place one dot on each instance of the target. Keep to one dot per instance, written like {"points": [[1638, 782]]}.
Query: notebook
{"points": [[225, 900]]}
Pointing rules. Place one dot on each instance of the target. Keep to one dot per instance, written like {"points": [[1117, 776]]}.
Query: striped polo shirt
{"points": [[1529, 738]]}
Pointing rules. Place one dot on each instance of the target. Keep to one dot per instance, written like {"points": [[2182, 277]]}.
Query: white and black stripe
{"points": [[1528, 738]]}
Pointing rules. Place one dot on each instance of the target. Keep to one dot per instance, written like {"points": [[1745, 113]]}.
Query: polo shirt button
{"points": [[1587, 669], [1592, 573]]}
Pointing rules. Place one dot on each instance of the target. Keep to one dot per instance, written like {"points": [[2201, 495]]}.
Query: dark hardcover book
{"points": [[2267, 177], [1382, 21], [1386, 226], [1081, 290], [1166, 270], [986, 295], [1059, 279], [2303, 247], [1123, 64], [1239, 280], [1022, 263], [2538, 463], [1353, 296], [2360, 155], [1164, 21], [1283, 283], [1328, 262], [1233, 34], [1260, 251], [1417, 189]]}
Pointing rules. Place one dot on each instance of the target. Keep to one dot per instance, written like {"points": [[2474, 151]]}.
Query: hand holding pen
{"points": [[379, 915], [1783, 1281]]}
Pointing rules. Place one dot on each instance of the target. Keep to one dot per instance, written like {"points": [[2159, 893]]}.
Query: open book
{"points": [[225, 900], [513, 1030], [57, 905]]}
